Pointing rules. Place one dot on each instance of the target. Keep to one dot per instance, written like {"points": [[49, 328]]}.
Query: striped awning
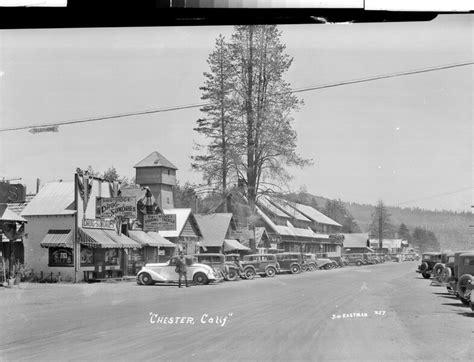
{"points": [[164, 243], [230, 244], [58, 238], [143, 238], [104, 238]]}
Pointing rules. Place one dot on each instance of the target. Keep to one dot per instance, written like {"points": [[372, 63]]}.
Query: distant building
{"points": [[159, 174], [357, 243]]}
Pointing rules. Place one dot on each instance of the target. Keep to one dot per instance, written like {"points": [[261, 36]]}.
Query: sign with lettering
{"points": [[159, 222], [44, 129], [110, 207], [10, 193], [99, 223]]}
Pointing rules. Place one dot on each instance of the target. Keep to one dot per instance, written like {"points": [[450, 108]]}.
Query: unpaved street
{"points": [[378, 312]]}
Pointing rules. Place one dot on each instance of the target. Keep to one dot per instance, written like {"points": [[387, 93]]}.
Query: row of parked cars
{"points": [[454, 270], [208, 267]]}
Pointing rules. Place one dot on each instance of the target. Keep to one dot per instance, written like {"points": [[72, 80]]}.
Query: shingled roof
{"points": [[155, 159]]}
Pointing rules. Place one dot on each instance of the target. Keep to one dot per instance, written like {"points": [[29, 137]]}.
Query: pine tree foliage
{"points": [[381, 224]]}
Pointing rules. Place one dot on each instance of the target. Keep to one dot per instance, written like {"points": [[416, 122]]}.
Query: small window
{"points": [[60, 257], [167, 200]]}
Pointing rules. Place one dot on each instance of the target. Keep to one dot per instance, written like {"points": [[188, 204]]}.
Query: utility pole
{"points": [[380, 232]]}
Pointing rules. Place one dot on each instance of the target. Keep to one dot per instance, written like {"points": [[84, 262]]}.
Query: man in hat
{"points": [[181, 269]]}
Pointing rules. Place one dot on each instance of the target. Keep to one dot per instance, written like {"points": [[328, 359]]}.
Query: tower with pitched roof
{"points": [[159, 174]]}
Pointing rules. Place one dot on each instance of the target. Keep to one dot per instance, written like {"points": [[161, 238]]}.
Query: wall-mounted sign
{"points": [[99, 223], [159, 222], [10, 193], [109, 207]]}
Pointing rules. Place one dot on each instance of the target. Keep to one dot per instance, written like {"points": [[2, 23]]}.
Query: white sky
{"points": [[400, 139]]}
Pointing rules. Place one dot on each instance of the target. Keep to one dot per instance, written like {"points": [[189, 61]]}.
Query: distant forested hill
{"points": [[451, 228]]}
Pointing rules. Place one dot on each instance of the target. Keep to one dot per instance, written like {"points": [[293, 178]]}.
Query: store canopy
{"points": [[8, 215], [104, 238], [231, 244], [58, 238], [143, 238], [164, 243]]}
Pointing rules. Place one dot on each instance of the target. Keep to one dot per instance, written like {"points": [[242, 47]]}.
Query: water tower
{"points": [[159, 174]]}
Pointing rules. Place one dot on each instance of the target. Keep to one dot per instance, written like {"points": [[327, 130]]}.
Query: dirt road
{"points": [[378, 312]]}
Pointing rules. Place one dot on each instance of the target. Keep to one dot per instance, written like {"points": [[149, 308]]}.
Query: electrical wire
{"points": [[199, 105]]}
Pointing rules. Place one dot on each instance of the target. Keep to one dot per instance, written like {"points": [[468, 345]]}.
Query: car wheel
{"points": [[446, 274], [426, 275], [200, 279], [359, 263], [424, 267], [311, 267], [295, 269], [249, 273], [145, 279], [232, 275], [464, 301], [270, 272], [462, 284]]}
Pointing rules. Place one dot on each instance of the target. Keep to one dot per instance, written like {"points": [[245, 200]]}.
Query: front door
{"points": [[100, 263]]}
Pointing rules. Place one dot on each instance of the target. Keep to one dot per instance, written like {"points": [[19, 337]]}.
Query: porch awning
{"points": [[164, 243], [143, 238], [122, 240], [58, 238], [231, 244], [104, 238]]}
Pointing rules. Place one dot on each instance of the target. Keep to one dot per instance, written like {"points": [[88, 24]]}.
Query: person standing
{"points": [[181, 269]]}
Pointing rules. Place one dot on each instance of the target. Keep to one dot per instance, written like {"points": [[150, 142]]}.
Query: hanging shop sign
{"points": [[99, 223], [159, 222], [110, 207], [10, 193]]}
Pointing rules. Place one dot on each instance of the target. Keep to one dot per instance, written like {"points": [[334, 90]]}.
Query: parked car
{"points": [[466, 277], [428, 261], [215, 260], [439, 267], [323, 262], [311, 262], [265, 265], [337, 261], [290, 262], [166, 272], [232, 266], [355, 259]]}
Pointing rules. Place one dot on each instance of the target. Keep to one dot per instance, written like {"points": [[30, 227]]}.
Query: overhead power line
{"points": [[298, 90], [435, 196]]}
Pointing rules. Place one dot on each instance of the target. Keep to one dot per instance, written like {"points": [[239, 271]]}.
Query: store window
{"points": [[112, 257], [87, 256], [60, 257]]}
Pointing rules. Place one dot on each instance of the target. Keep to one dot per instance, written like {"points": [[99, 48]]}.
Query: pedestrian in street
{"points": [[181, 269]]}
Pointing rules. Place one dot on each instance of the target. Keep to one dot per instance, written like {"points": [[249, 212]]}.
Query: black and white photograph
{"points": [[273, 186]]}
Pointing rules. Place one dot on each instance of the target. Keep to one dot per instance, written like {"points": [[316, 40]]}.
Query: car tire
{"points": [[232, 274], [461, 285], [423, 267], [295, 269], [200, 279], [270, 272], [145, 279], [249, 273], [446, 274], [311, 267], [426, 275], [358, 263], [438, 269]]}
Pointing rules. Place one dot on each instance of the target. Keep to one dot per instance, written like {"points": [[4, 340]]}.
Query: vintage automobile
{"points": [[439, 267], [428, 261], [232, 266], [216, 261], [265, 265], [355, 259], [166, 272], [450, 273], [291, 262], [465, 271], [337, 261], [319, 261]]}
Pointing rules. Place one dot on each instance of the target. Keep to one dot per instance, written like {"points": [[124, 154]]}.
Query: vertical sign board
{"points": [[159, 222], [10, 193], [111, 207]]}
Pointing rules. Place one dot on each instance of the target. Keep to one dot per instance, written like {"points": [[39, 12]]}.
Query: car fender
{"points": [[154, 275]]}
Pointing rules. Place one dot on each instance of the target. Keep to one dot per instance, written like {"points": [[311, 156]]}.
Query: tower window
{"points": [[167, 200], [169, 172]]}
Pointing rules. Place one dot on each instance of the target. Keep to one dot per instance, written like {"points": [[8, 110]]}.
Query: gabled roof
{"points": [[387, 243], [55, 198], [290, 210], [182, 216], [18, 207], [265, 203], [214, 227], [314, 214], [357, 240], [155, 159]]}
